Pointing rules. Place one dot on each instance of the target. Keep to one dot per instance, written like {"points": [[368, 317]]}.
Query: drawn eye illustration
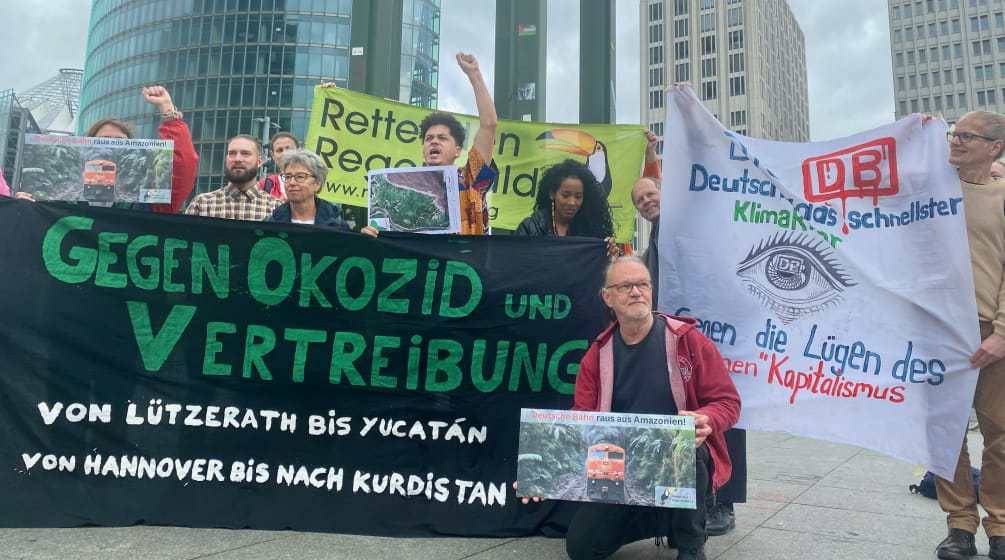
{"points": [[794, 275]]}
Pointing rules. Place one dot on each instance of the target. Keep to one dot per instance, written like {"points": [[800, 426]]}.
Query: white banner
{"points": [[834, 276]]}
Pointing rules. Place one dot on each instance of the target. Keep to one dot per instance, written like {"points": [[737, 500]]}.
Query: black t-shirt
{"points": [[641, 378]]}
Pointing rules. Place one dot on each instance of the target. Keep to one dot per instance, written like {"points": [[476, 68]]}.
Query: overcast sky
{"points": [[847, 56]]}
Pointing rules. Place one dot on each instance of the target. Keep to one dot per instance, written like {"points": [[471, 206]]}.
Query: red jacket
{"points": [[186, 164], [276, 185], [698, 380]]}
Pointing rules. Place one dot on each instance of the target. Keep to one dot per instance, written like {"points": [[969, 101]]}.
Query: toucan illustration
{"points": [[666, 495], [582, 144]]}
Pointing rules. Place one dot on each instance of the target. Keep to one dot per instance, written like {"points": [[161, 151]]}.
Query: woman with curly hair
{"points": [[569, 202]]}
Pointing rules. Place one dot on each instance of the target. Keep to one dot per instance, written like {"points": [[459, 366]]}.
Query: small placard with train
{"points": [[586, 456]]}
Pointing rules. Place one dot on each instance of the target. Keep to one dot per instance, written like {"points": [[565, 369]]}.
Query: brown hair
{"points": [[117, 123], [279, 135], [256, 141]]}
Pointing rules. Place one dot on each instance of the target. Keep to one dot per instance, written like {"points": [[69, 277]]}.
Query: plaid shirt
{"points": [[232, 203]]}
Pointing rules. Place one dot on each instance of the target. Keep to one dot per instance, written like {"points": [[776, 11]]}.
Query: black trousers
{"points": [[598, 530], [735, 491]]}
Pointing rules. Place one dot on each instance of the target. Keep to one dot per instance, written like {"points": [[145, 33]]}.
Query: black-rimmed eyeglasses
{"points": [[966, 137], [626, 287]]}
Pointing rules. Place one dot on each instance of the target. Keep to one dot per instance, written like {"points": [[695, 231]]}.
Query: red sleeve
{"points": [[588, 380], [651, 169], [717, 396], [186, 164]]}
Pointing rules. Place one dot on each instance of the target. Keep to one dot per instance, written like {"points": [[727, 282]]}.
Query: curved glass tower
{"points": [[232, 66]]}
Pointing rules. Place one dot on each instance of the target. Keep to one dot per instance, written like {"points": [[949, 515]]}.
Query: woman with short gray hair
{"points": [[303, 174]]}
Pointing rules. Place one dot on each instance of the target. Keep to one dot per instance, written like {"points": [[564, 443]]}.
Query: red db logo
{"points": [[866, 170]]}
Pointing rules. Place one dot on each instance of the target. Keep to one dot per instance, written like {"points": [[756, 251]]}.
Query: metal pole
{"points": [[20, 150]]}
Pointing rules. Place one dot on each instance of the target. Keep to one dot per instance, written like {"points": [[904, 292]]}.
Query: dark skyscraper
{"points": [[232, 66]]}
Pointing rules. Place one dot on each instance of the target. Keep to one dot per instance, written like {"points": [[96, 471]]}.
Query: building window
{"points": [[949, 102], [910, 57], [979, 23], [903, 107], [680, 50], [734, 17], [938, 102], [958, 50], [933, 54], [924, 80], [682, 73], [707, 22], [709, 90], [680, 28], [896, 12], [736, 62], [656, 99], [909, 34], [961, 99], [679, 7], [981, 100], [737, 86], [936, 79], [912, 82], [926, 105], [999, 20], [956, 25], [959, 75], [981, 47], [900, 83], [738, 118], [655, 55], [921, 55], [707, 4], [656, 33], [708, 67], [708, 45], [656, 11], [656, 77], [900, 60], [735, 40], [945, 52], [914, 106], [657, 128], [944, 28]]}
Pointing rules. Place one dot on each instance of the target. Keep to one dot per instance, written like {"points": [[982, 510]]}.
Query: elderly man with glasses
{"points": [[975, 143], [648, 362]]}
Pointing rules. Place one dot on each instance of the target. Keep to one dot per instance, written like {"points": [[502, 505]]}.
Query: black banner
{"points": [[211, 373]]}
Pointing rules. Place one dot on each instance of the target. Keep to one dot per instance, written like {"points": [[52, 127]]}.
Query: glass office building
{"points": [[420, 52], [232, 66]]}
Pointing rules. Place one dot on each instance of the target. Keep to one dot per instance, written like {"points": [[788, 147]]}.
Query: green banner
{"points": [[355, 132]]}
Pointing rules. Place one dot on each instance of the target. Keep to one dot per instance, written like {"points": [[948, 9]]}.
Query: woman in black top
{"points": [[569, 202], [303, 174]]}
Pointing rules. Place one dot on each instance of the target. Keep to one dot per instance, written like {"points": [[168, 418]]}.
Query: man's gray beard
{"points": [[633, 314], [241, 178]]}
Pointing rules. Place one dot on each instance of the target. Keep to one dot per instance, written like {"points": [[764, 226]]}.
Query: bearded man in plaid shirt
{"points": [[241, 199]]}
